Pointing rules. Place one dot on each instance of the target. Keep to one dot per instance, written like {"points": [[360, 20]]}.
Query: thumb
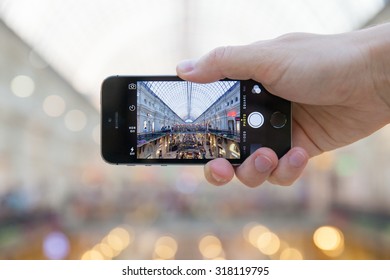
{"points": [[234, 62]]}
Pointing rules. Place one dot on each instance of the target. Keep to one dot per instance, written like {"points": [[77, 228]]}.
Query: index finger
{"points": [[234, 62]]}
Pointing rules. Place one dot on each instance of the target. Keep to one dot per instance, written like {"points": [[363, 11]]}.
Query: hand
{"points": [[339, 85]]}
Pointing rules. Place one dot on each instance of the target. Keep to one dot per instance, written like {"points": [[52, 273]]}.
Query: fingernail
{"points": [[186, 66], [215, 171], [218, 178], [297, 159], [263, 164]]}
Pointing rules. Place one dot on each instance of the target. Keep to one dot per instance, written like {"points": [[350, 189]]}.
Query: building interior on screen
{"points": [[185, 120], [60, 200]]}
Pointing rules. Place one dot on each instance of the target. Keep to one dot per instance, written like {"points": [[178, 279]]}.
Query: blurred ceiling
{"points": [[86, 41]]}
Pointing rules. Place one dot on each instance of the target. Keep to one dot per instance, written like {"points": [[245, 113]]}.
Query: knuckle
{"points": [[220, 55]]}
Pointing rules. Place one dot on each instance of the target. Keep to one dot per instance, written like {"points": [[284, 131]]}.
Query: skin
{"points": [[339, 86]]}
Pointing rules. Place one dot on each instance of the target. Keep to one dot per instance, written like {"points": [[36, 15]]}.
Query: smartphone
{"points": [[166, 120]]}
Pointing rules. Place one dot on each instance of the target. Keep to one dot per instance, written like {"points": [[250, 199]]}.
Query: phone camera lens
{"points": [[278, 120]]}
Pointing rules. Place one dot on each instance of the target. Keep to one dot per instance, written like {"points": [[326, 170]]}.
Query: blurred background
{"points": [[59, 200]]}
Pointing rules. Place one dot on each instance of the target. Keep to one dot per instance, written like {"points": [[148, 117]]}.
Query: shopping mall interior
{"points": [[185, 120], [60, 200]]}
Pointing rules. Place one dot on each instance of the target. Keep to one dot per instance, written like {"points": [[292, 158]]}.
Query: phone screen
{"points": [[168, 120]]}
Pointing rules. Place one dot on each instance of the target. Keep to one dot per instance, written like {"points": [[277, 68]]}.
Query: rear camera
{"points": [[278, 120]]}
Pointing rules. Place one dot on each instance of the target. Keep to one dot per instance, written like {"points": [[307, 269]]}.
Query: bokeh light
{"points": [[291, 254], [210, 247], [75, 120], [268, 243], [56, 245], [114, 243], [119, 239], [165, 248], [253, 233], [54, 105], [330, 240], [105, 250], [92, 255], [22, 86]]}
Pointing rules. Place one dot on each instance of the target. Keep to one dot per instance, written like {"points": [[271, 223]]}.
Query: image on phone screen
{"points": [[188, 119]]}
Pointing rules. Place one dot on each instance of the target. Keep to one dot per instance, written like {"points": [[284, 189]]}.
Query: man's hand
{"points": [[338, 83]]}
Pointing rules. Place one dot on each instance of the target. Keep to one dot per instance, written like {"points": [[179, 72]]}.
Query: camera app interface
{"points": [[185, 120]]}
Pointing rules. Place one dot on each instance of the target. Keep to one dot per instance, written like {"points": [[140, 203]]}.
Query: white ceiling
{"points": [[85, 41]]}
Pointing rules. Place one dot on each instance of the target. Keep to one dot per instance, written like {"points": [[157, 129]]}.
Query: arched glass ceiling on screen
{"points": [[189, 100]]}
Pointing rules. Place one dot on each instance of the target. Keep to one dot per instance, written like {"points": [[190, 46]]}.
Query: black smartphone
{"points": [[166, 120]]}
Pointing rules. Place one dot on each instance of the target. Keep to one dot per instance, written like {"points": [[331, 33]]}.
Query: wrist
{"points": [[377, 48]]}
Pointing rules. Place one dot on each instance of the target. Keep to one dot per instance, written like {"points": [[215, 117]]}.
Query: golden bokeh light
{"points": [[165, 248], [330, 240], [105, 250], [268, 243], [164, 252], [111, 245], [92, 255], [210, 247], [254, 233], [291, 254], [119, 238], [115, 242]]}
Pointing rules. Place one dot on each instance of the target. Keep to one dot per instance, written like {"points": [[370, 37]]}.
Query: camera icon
{"points": [[132, 86]]}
